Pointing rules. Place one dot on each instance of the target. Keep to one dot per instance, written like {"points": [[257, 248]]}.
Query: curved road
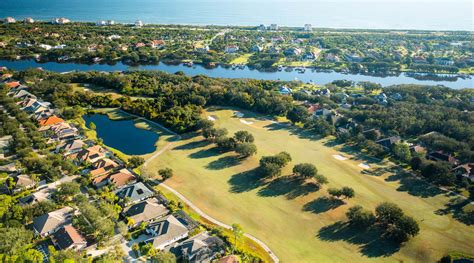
{"points": [[190, 204]]}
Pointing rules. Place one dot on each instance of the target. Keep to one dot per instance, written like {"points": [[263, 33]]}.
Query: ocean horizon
{"points": [[341, 14]]}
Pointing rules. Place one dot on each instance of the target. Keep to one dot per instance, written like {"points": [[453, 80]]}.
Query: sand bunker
{"points": [[246, 122], [364, 166], [211, 118], [339, 157], [239, 114]]}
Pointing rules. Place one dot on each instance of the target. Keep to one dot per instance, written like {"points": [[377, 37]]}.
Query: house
{"points": [[138, 23], [50, 121], [139, 45], [443, 157], [396, 96], [114, 37], [49, 223], [105, 163], [91, 154], [200, 248], [444, 61], [417, 149], [134, 193], [12, 84], [9, 20], [465, 170], [157, 43], [43, 114], [310, 55], [61, 21], [229, 259], [231, 49], [23, 94], [332, 57], [257, 48], [381, 98], [273, 27], [278, 39], [36, 197], [201, 48], [23, 182], [28, 20], [144, 211], [105, 23], [68, 238], [308, 27], [353, 57], [284, 90], [119, 179], [419, 60], [387, 143], [166, 231], [274, 50], [292, 51], [323, 92], [322, 112]]}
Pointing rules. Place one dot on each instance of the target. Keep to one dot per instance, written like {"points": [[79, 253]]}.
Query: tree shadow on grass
{"points": [[456, 208], [192, 145], [370, 241], [322, 204], [414, 186], [301, 133], [290, 186], [205, 153], [245, 181], [223, 162]]}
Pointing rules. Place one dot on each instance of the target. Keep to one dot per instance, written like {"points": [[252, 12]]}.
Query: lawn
{"points": [[296, 220], [243, 59]]}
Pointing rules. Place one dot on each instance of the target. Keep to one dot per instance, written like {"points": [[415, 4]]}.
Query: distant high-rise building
{"points": [[308, 27], [138, 23], [273, 27]]}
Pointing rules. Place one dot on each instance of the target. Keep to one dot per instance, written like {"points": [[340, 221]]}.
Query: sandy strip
{"points": [[246, 122], [211, 118], [339, 157], [364, 166]]}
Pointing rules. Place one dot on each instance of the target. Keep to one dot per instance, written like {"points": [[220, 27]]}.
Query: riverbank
{"points": [[315, 77]]}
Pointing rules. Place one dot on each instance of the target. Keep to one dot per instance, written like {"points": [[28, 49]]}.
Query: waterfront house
{"points": [[292, 51], [231, 49], [50, 121], [49, 223], [157, 43], [91, 154], [165, 232], [144, 211], [68, 237], [332, 57], [134, 193]]}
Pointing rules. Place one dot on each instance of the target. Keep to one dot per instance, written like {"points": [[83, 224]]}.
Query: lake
{"points": [[221, 72], [123, 135], [380, 14]]}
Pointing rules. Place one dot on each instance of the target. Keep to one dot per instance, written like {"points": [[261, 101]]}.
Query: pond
{"points": [[221, 72], [123, 135]]}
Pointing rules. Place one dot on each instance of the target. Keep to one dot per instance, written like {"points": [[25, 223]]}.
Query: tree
{"points": [[360, 217], [335, 192], [238, 233], [66, 192], [305, 170], [321, 179], [204, 124], [163, 257], [347, 192], [405, 227], [297, 114], [135, 161], [165, 173], [136, 248], [388, 213], [226, 143], [416, 163], [246, 149], [270, 170], [439, 173], [270, 166], [401, 151], [244, 136], [14, 239]]}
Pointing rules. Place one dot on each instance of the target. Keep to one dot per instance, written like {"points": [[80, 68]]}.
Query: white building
{"points": [[231, 49], [308, 27], [61, 21], [9, 20], [138, 23], [28, 20]]}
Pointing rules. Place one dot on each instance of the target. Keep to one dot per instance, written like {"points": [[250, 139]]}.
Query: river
{"points": [[221, 72]]}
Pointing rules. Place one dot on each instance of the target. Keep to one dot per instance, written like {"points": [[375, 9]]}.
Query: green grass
{"points": [[243, 59], [295, 220]]}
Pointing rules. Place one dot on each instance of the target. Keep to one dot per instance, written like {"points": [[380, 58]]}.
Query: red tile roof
{"points": [[50, 121]]}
